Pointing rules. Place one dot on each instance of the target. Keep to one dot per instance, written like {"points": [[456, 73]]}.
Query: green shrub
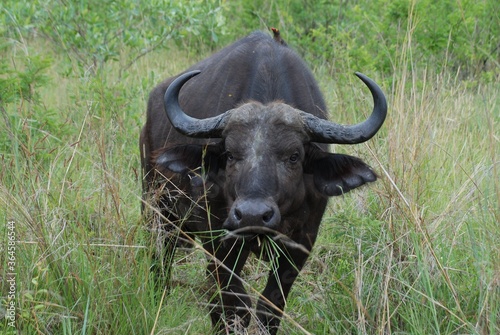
{"points": [[371, 35], [95, 31]]}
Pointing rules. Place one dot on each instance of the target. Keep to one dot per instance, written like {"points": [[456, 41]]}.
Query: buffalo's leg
{"points": [[230, 303], [164, 228], [163, 237], [281, 278]]}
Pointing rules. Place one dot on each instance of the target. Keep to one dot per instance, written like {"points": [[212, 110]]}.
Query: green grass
{"points": [[418, 252]]}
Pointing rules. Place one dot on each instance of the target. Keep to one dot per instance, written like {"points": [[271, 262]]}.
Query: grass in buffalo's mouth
{"points": [[258, 235]]}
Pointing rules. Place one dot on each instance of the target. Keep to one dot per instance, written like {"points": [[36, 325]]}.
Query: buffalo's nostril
{"points": [[268, 216], [237, 214]]}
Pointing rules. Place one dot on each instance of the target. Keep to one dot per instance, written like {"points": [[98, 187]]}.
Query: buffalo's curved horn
{"points": [[185, 124], [320, 130], [325, 131]]}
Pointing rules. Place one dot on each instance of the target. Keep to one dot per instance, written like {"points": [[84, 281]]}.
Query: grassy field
{"points": [[418, 252]]}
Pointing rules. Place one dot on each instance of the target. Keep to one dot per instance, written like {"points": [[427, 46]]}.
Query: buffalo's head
{"points": [[268, 161]]}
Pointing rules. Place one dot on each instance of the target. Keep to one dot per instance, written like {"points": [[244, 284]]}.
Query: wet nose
{"points": [[258, 213]]}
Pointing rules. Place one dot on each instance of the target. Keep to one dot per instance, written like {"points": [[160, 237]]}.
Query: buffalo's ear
{"points": [[336, 174], [190, 157]]}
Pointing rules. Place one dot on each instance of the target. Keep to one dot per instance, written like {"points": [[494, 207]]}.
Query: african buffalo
{"points": [[234, 151]]}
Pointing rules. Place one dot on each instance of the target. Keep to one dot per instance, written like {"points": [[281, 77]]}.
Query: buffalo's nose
{"points": [[253, 212]]}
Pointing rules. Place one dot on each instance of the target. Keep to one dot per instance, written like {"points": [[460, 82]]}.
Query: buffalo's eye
{"points": [[229, 156], [294, 158]]}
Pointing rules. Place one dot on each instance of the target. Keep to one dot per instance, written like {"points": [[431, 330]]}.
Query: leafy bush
{"points": [[96, 31], [457, 35], [451, 34]]}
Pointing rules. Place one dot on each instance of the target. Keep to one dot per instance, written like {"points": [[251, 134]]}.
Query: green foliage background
{"points": [[418, 252], [368, 35]]}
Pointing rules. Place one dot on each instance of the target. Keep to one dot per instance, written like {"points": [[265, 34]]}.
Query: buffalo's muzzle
{"points": [[253, 213]]}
